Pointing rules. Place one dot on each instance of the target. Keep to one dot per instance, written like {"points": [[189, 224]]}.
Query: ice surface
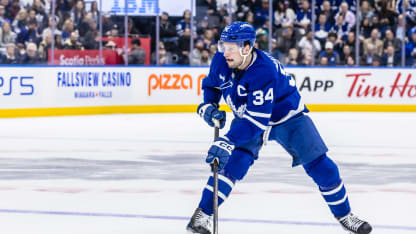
{"points": [[125, 174]]}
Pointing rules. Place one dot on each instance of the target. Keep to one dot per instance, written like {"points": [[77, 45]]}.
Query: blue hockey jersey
{"points": [[260, 96]]}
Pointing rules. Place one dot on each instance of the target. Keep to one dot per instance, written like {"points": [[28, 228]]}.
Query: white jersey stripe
{"points": [[226, 180], [220, 194], [337, 189], [255, 122], [259, 114], [291, 113], [338, 202]]}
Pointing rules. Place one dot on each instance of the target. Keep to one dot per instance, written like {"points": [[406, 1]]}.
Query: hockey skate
{"points": [[355, 225], [200, 223]]}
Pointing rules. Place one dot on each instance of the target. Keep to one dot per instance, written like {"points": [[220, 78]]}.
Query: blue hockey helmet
{"points": [[238, 32]]}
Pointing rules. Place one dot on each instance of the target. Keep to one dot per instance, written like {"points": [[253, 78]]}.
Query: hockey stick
{"points": [[214, 166]]}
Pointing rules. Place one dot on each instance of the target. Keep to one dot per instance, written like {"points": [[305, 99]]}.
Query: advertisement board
{"points": [[146, 7], [56, 90]]}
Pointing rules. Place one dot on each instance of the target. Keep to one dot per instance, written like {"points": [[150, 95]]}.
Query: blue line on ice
{"points": [[138, 216]]}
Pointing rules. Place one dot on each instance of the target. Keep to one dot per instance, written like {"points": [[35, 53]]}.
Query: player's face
{"points": [[231, 52]]}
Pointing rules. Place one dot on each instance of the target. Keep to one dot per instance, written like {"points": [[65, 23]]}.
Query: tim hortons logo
{"points": [[400, 88]]}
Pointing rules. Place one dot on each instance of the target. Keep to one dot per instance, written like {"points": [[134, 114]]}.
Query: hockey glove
{"points": [[221, 149], [209, 111]]}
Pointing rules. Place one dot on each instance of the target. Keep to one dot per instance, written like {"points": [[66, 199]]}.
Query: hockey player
{"points": [[267, 106]]}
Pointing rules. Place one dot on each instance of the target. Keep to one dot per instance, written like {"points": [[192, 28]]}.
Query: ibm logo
{"points": [[148, 7]]}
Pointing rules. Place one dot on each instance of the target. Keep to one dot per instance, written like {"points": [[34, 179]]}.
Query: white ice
{"points": [[125, 174]]}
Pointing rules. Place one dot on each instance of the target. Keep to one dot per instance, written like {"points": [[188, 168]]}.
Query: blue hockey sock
{"points": [[225, 185], [326, 175]]}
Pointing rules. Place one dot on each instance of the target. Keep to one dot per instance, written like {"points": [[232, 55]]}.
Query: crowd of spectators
{"points": [[381, 31], [26, 31]]}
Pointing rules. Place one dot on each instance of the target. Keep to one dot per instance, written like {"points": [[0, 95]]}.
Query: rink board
{"points": [[54, 90]]}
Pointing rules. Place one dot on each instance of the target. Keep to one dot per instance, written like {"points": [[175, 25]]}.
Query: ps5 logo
{"points": [[147, 6]]}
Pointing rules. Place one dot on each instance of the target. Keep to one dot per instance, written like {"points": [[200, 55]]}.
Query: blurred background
{"points": [[160, 32]]}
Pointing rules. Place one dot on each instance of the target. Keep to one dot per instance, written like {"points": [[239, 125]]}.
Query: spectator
{"points": [[205, 58], [212, 50], [205, 8], [131, 29], [369, 55], [293, 57], [262, 39], [3, 17], [7, 36], [386, 16], [327, 10], [86, 25], [208, 37], [94, 11], [375, 22], [48, 30], [184, 48], [377, 43], [287, 40], [410, 7], [333, 56], [20, 21], [411, 48], [40, 13], [366, 10], [341, 27], [165, 57], [304, 17], [72, 43], [10, 56], [350, 41], [399, 29], [322, 28], [365, 28], [261, 14], [67, 29], [390, 58], [307, 42], [185, 22], [167, 33], [348, 16], [12, 10], [346, 52], [306, 59], [283, 15], [350, 61], [29, 34], [137, 55], [323, 61], [389, 39], [92, 40], [195, 56], [31, 56], [78, 12], [113, 31], [44, 46]]}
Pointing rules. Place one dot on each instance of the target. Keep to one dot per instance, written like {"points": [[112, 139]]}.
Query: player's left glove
{"points": [[221, 149]]}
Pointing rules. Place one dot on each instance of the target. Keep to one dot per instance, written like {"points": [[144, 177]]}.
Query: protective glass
{"points": [[229, 47]]}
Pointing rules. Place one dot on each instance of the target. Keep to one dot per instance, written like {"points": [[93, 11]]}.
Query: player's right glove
{"points": [[210, 112], [220, 149]]}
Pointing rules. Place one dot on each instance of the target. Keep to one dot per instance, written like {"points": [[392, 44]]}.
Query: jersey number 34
{"points": [[260, 98]]}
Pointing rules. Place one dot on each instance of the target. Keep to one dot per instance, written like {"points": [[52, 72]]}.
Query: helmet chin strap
{"points": [[244, 56]]}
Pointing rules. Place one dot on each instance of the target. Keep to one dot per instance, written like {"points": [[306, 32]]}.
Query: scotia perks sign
{"points": [[85, 57]]}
